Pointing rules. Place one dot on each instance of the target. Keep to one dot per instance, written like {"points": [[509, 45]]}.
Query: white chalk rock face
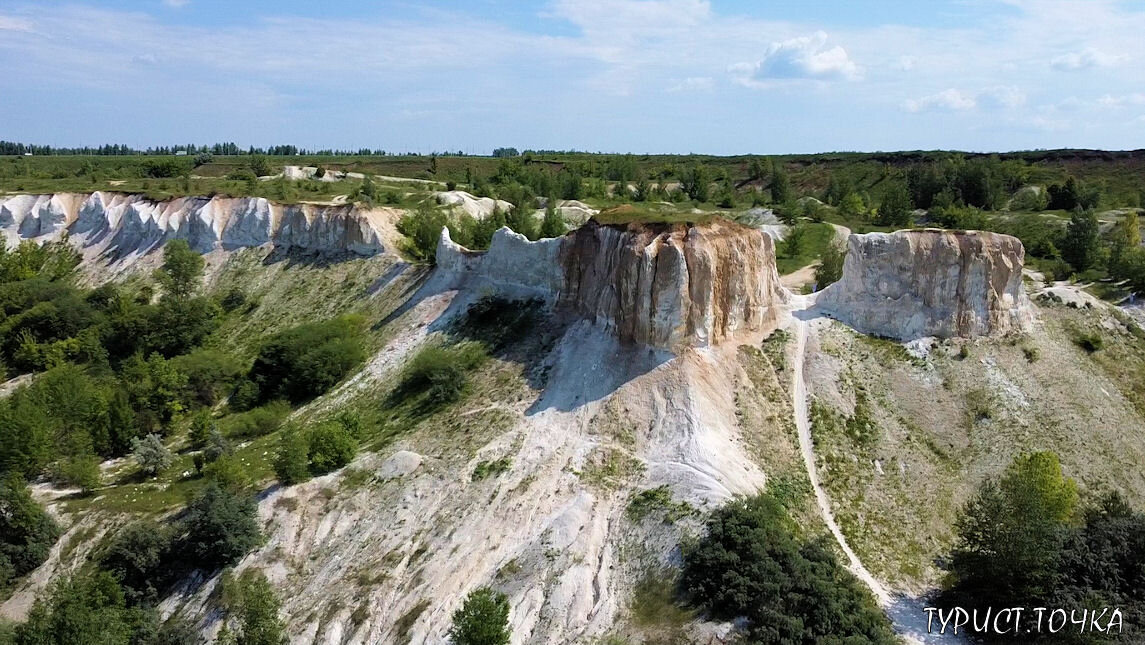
{"points": [[668, 286], [116, 225], [931, 282]]}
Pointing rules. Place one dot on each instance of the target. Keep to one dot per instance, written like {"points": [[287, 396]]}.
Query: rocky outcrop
{"points": [[119, 225], [911, 284], [664, 285]]}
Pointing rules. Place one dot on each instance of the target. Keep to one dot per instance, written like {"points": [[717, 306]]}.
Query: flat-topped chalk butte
{"points": [[931, 282], [665, 285]]}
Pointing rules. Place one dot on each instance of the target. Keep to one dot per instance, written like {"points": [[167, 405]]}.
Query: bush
{"points": [[331, 446], [258, 422], [251, 599], [27, 533], [88, 608], [1010, 533], [422, 229], [233, 299], [830, 269], [219, 527], [292, 464], [750, 564], [1090, 341], [439, 373], [137, 557], [80, 470], [483, 619], [305, 361], [152, 456], [209, 375]]}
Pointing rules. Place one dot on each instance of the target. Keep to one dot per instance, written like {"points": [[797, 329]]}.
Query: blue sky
{"points": [[675, 76]]}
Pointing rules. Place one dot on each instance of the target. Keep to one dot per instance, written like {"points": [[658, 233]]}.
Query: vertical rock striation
{"points": [[664, 285], [930, 282]]}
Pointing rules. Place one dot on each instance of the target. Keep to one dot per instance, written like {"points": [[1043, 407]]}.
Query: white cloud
{"points": [[805, 57], [1087, 58], [1110, 101], [693, 84], [175, 4], [1003, 96], [12, 23], [905, 63], [949, 99]]}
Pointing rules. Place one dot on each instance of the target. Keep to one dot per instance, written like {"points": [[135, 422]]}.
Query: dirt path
{"points": [[907, 614]]}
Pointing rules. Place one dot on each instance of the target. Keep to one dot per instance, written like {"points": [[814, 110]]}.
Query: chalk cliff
{"points": [[664, 285], [931, 282], [118, 225]]}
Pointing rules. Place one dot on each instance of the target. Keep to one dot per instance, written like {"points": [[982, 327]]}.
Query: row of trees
{"points": [[1026, 540]]}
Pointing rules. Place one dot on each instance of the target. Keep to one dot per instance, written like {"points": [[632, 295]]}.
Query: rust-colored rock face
{"points": [[930, 282], [671, 285]]}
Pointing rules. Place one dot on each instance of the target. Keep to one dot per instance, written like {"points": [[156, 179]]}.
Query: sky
{"points": [[640, 76]]}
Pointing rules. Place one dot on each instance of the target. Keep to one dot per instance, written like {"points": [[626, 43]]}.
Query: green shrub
{"points": [[483, 619], [219, 527], [305, 361], [292, 463], [258, 422], [87, 608], [331, 446], [27, 532], [80, 470], [491, 468], [137, 556], [209, 375], [1090, 341], [422, 228], [751, 564], [498, 321], [438, 374]]}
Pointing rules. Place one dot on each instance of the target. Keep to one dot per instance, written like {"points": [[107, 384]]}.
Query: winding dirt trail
{"points": [[907, 614]]}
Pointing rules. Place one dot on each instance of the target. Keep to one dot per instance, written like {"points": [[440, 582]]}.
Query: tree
{"points": [[292, 464], [852, 206], [330, 447], [27, 533], [253, 601], [259, 165], [830, 267], [793, 242], [895, 209], [182, 269], [483, 619], [219, 527], [137, 556], [1126, 235], [750, 564], [553, 225], [88, 608], [304, 361], [201, 425], [152, 456], [696, 183], [1011, 532], [1081, 244], [780, 185]]}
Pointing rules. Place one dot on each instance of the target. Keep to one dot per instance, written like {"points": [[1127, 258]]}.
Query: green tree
{"points": [[483, 619], [27, 533], [830, 268], [895, 209], [780, 185], [88, 609], [252, 600], [852, 206], [1081, 245], [1011, 532], [292, 463], [304, 361], [182, 269], [696, 183], [201, 425], [793, 243], [331, 446], [553, 225], [422, 229], [137, 557], [219, 527], [750, 564], [152, 456]]}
